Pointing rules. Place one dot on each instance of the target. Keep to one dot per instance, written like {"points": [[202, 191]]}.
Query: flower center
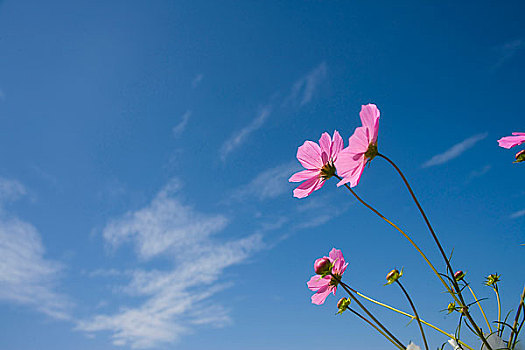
{"points": [[328, 170], [371, 152], [335, 280]]}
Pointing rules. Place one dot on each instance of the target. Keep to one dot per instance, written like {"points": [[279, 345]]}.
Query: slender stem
{"points": [[376, 328], [499, 307], [440, 247], [408, 315], [404, 235], [345, 287], [415, 313], [516, 319], [479, 304], [518, 331]]}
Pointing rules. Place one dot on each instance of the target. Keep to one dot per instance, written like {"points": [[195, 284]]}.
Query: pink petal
{"points": [[326, 145], [317, 282], [309, 155], [321, 295], [342, 269], [335, 254], [337, 145], [519, 133], [511, 141], [370, 118], [349, 166], [304, 175], [359, 141], [356, 175], [353, 176], [307, 187]]}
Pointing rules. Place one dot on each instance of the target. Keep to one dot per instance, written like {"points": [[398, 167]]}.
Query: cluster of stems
{"points": [[452, 287]]}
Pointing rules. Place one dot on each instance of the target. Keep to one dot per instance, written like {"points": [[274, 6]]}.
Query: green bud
{"points": [[342, 305], [458, 276], [520, 156], [393, 276], [492, 279], [451, 307]]}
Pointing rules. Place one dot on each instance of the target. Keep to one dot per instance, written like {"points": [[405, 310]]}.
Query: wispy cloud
{"points": [[10, 190], [518, 214], [269, 184], [455, 151], [478, 173], [26, 276], [507, 51], [175, 300], [197, 80], [179, 128], [239, 137], [2, 95], [303, 90]]}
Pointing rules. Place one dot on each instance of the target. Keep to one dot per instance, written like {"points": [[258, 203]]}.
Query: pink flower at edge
{"points": [[510, 141], [362, 147], [323, 286], [318, 159]]}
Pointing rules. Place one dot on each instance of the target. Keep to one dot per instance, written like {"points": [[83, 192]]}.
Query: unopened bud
{"points": [[451, 307], [322, 266], [342, 305], [393, 276], [459, 275], [492, 279], [520, 156]]}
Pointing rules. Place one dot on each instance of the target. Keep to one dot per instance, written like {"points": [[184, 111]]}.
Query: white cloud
{"points": [[478, 173], [176, 300], [26, 276], [179, 128], [507, 51], [455, 151], [303, 89], [518, 214], [10, 190], [197, 80], [268, 184], [238, 138]]}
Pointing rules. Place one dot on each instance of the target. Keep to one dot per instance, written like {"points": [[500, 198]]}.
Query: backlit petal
{"points": [[309, 155]]}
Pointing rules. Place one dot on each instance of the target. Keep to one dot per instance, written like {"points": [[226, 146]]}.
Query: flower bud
{"points": [[393, 276], [322, 266], [459, 275], [520, 156], [342, 305], [492, 279], [451, 307]]}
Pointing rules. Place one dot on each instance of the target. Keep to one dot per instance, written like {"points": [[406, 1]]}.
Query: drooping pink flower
{"points": [[510, 141], [319, 163], [362, 147], [322, 286]]}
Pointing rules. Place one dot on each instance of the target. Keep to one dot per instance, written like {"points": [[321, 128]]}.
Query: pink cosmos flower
{"points": [[362, 147], [319, 163], [511, 141], [328, 284]]}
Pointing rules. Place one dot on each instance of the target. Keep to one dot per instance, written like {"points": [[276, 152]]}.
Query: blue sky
{"points": [[146, 148]]}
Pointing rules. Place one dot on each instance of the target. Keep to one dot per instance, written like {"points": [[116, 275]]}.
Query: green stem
{"points": [[408, 315], [499, 308], [479, 304], [440, 247], [516, 319], [375, 211], [347, 289], [415, 313], [375, 327]]}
